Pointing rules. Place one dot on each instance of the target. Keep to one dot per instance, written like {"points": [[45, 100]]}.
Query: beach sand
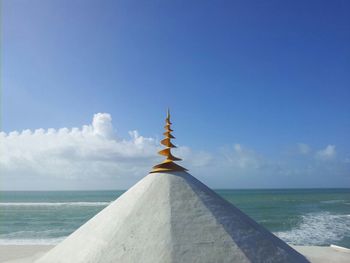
{"points": [[28, 253], [22, 253]]}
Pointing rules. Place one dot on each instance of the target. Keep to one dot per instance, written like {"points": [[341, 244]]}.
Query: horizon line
{"points": [[215, 189]]}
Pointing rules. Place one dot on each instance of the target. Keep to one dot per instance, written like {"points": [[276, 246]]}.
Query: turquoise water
{"points": [[298, 216]]}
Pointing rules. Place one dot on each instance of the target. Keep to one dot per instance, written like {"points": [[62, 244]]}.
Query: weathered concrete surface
{"points": [[171, 217]]}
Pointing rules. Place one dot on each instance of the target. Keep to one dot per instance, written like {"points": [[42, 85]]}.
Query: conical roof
{"points": [[171, 217]]}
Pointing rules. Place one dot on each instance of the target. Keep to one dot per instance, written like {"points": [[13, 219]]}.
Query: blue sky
{"points": [[266, 75]]}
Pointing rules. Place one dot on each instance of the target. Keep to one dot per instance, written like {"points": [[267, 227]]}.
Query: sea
{"points": [[298, 216]]}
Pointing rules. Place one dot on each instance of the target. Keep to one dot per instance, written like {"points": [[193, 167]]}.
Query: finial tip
{"points": [[168, 164]]}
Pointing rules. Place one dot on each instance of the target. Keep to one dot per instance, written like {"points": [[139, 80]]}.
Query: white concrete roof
{"points": [[171, 217]]}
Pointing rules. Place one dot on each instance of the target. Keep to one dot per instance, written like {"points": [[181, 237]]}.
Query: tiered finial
{"points": [[168, 164]]}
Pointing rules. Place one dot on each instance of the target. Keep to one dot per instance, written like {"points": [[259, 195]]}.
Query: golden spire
{"points": [[168, 164]]}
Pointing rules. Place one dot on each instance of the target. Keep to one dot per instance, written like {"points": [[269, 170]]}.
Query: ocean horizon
{"points": [[303, 216]]}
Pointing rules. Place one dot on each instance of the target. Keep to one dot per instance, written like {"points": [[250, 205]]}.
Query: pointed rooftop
{"points": [[170, 217]]}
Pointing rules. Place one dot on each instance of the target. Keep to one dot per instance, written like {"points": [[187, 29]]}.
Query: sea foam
{"points": [[32, 241], [318, 229]]}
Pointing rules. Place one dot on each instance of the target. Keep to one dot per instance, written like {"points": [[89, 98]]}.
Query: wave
{"points": [[333, 201], [318, 229], [56, 204], [31, 237], [32, 241]]}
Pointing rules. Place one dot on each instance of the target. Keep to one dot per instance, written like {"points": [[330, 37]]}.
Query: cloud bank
{"points": [[326, 153], [94, 157], [75, 155], [80, 158]]}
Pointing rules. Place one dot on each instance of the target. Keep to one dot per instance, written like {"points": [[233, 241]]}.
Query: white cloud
{"points": [[89, 152], [193, 158], [241, 157], [326, 153], [88, 157], [102, 125], [304, 148]]}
